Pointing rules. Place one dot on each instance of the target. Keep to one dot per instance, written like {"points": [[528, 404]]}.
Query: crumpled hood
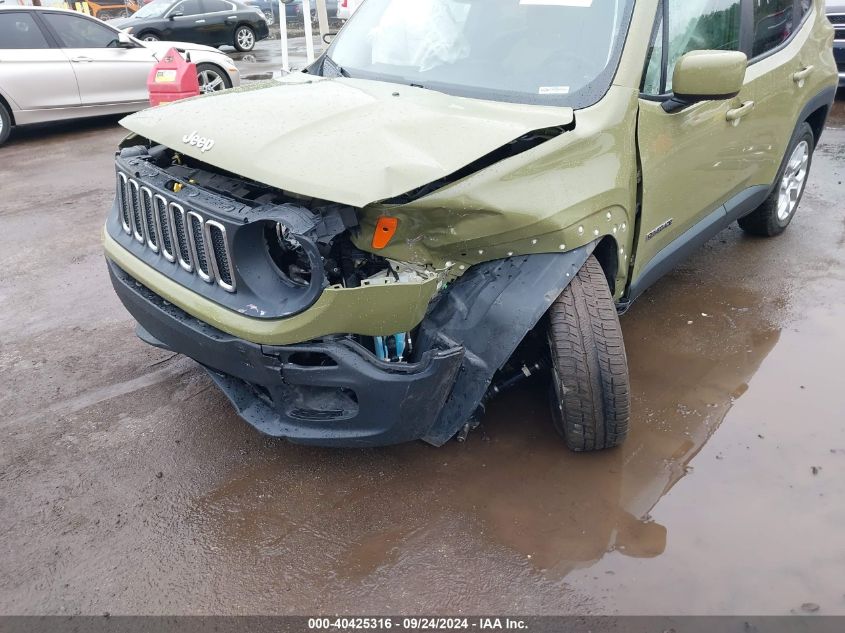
{"points": [[351, 141]]}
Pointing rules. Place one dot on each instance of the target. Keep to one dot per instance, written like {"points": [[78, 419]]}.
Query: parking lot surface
{"points": [[129, 485]]}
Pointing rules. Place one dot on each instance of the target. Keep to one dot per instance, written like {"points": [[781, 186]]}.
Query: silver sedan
{"points": [[57, 64]]}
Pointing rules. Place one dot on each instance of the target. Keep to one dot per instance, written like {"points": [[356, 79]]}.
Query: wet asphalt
{"points": [[129, 485]]}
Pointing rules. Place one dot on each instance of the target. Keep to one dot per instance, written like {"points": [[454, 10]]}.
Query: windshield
{"points": [[154, 9], [534, 51]]}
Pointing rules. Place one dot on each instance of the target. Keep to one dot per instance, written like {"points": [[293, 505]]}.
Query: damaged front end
{"points": [[310, 337]]}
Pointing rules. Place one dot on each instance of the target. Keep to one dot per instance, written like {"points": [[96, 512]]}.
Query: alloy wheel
{"points": [[210, 81], [246, 40], [794, 178]]}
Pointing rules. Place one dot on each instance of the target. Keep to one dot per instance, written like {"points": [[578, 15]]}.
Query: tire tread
{"points": [[589, 355]]}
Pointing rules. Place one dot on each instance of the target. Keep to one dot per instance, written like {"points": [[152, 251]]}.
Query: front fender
{"points": [[488, 311]]}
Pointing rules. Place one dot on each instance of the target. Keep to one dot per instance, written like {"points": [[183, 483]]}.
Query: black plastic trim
{"points": [[489, 311]]}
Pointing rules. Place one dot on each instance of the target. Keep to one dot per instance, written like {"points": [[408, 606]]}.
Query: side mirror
{"points": [[175, 14], [706, 76], [124, 41]]}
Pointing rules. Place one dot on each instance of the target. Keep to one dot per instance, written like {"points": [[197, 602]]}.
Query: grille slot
{"points": [[135, 205], [216, 241], [183, 247], [181, 236], [123, 202], [149, 219], [196, 226], [165, 227]]}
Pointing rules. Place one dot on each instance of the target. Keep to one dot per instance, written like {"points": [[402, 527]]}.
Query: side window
{"points": [[804, 7], [696, 25], [217, 6], [77, 32], [774, 21], [188, 7], [19, 30], [693, 25]]}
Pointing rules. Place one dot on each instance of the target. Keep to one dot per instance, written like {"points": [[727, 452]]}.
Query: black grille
{"points": [[122, 183], [181, 236], [837, 19], [220, 253], [164, 225], [166, 228], [199, 244], [149, 218], [137, 227]]}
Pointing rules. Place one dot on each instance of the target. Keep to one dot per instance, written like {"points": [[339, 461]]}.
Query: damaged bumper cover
{"points": [[331, 392], [334, 392]]}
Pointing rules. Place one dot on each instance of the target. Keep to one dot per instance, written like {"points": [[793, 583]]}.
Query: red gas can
{"points": [[173, 78]]}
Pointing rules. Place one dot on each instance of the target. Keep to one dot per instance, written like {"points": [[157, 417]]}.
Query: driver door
{"points": [[105, 73], [693, 160], [187, 23]]}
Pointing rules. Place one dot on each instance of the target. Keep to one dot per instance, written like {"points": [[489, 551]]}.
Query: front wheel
{"points": [[149, 37], [244, 39], [5, 123], [212, 79], [590, 395], [774, 215]]}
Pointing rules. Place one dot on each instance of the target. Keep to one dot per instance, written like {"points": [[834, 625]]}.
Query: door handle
{"points": [[735, 115], [82, 60], [801, 76], [200, 22]]}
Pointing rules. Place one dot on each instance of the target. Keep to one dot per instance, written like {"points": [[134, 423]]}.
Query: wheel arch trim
{"points": [[489, 311]]}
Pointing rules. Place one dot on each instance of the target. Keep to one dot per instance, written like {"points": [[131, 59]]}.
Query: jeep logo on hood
{"points": [[200, 142]]}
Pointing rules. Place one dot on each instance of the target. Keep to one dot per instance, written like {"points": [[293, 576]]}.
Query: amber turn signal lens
{"points": [[385, 228]]}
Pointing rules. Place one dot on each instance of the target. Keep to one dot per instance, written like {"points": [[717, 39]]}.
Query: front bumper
{"points": [[262, 31], [331, 392]]}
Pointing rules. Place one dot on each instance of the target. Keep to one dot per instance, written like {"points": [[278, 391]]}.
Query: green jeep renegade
{"points": [[457, 194]]}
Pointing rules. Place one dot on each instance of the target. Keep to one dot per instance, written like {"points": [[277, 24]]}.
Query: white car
{"points": [[345, 8], [57, 64]]}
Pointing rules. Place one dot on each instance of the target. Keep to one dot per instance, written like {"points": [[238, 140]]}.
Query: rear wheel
{"points": [[244, 39], [5, 123], [212, 79], [590, 395], [774, 215]]}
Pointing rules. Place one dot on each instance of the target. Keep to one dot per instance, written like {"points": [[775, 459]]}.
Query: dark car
{"points": [[210, 22], [270, 9], [293, 10], [836, 14]]}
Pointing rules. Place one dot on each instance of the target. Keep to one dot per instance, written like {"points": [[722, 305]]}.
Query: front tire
{"points": [[5, 123], [212, 78], [590, 393], [244, 39], [774, 215], [149, 37]]}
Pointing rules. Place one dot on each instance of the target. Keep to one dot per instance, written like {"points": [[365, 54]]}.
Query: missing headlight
{"points": [[287, 254]]}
